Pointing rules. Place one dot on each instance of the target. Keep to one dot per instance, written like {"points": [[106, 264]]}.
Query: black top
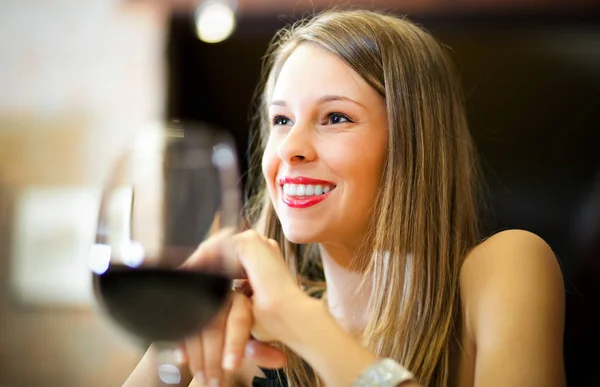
{"points": [[274, 378]]}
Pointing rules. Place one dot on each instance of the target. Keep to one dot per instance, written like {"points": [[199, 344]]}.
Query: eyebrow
{"points": [[324, 99]]}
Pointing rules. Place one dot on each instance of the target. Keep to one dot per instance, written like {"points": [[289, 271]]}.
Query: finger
{"points": [[239, 323], [263, 264], [273, 243], [261, 334], [180, 354], [195, 355], [213, 337], [211, 254], [265, 355]]}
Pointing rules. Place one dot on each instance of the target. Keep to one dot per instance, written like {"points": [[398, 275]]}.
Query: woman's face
{"points": [[326, 150]]}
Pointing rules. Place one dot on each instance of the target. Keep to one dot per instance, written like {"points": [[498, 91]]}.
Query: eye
{"points": [[337, 118], [280, 121]]}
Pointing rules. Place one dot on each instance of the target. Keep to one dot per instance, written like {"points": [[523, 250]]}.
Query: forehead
{"points": [[312, 71]]}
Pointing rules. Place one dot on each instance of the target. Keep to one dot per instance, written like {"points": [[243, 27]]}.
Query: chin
{"points": [[300, 235]]}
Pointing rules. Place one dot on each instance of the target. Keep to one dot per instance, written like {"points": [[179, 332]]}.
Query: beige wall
{"points": [[76, 80]]}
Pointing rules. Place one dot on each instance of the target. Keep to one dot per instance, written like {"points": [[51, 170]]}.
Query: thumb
{"points": [[211, 255], [264, 265]]}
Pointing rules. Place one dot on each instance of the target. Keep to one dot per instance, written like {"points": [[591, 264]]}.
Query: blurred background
{"points": [[77, 79]]}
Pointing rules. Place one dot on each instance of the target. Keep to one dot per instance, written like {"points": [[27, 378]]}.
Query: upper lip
{"points": [[304, 180]]}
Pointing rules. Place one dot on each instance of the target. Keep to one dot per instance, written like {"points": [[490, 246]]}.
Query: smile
{"points": [[303, 192]]}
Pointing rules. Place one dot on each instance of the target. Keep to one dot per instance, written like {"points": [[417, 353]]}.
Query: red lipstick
{"points": [[304, 180], [304, 201]]}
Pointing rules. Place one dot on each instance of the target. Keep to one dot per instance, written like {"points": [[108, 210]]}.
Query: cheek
{"points": [[270, 165], [362, 176], [362, 167]]}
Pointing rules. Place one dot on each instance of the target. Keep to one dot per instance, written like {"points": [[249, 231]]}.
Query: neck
{"points": [[347, 295]]}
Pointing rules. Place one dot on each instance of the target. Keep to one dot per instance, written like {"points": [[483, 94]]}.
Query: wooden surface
{"points": [[78, 79], [49, 345]]}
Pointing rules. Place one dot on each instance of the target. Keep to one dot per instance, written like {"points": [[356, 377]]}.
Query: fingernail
{"points": [[178, 356], [200, 378], [214, 382], [229, 361], [249, 350]]}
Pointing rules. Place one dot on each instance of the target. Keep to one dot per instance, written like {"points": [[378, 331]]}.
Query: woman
{"points": [[368, 170]]}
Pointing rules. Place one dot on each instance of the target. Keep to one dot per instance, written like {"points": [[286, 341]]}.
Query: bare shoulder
{"points": [[511, 263], [512, 295], [508, 250]]}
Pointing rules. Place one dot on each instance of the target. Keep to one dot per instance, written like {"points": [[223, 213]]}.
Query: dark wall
{"points": [[532, 82], [215, 83]]}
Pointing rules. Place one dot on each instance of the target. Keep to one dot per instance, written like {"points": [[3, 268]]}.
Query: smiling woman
{"points": [[328, 131], [400, 155], [368, 172]]}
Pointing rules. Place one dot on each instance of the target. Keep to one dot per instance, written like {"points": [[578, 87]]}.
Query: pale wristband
{"points": [[384, 373]]}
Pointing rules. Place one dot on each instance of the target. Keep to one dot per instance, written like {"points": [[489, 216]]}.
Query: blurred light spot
{"points": [[223, 157], [169, 374], [99, 258], [215, 21], [132, 253]]}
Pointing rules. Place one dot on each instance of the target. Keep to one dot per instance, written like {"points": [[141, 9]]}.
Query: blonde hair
{"points": [[425, 218]]}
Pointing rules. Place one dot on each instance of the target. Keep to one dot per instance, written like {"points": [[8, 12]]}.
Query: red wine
{"points": [[159, 304]]}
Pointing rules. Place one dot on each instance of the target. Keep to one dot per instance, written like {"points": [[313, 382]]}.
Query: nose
{"points": [[297, 146]]}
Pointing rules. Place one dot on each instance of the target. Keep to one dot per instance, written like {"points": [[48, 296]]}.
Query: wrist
{"points": [[335, 355], [302, 316]]}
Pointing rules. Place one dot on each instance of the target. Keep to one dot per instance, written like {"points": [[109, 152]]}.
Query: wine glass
{"points": [[160, 202]]}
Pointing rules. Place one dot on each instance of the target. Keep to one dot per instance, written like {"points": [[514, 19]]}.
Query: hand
{"points": [[273, 290], [228, 333]]}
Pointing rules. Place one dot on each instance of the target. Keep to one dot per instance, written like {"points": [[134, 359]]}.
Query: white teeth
{"points": [[305, 189], [291, 189]]}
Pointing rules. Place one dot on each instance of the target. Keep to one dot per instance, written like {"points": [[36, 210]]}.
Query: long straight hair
{"points": [[425, 217]]}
